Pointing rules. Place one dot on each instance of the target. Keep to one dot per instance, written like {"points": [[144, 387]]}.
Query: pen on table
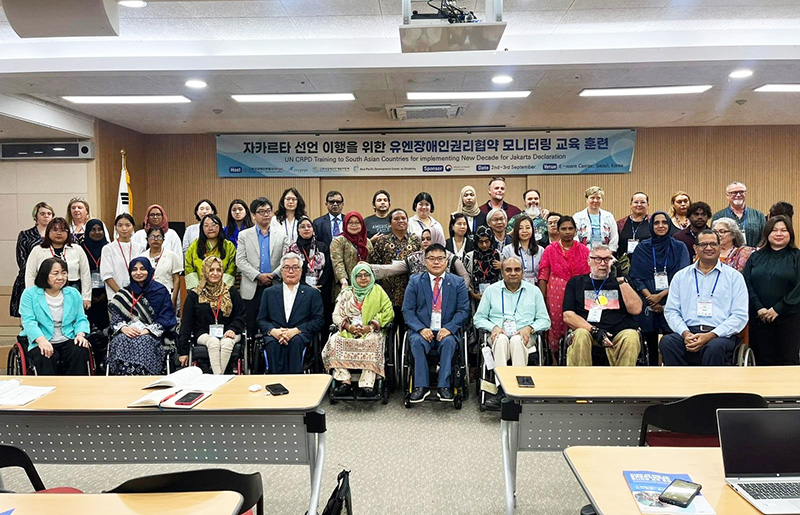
{"points": [[168, 397]]}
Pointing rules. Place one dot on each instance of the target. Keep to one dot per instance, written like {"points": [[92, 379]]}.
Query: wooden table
{"points": [[599, 471], [86, 421], [604, 405], [194, 503]]}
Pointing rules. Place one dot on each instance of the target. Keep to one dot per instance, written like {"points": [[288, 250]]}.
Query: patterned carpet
{"points": [[430, 459]]}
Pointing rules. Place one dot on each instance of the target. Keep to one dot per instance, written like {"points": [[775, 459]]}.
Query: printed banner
{"points": [[435, 154]]}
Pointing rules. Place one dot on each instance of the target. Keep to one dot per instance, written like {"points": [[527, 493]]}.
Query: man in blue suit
{"points": [[290, 316], [435, 308]]}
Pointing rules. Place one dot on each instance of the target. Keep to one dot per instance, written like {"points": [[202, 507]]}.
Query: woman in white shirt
{"points": [[201, 209], [118, 254], [58, 242], [422, 219], [595, 226], [157, 217], [167, 266], [525, 248], [291, 208], [460, 240]]}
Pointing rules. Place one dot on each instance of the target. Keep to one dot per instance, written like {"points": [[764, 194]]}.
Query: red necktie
{"points": [[437, 296]]}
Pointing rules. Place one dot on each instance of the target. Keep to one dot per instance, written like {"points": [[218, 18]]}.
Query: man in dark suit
{"points": [[290, 316], [435, 308], [328, 226]]}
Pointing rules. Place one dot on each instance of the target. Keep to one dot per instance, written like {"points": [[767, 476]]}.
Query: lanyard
{"points": [[398, 249], [95, 261], [635, 229], [135, 300], [127, 261], [522, 258], [484, 273], [288, 232], [310, 260], [358, 304], [503, 300], [63, 250], [422, 226], [697, 285], [216, 311], [596, 289], [666, 260]]}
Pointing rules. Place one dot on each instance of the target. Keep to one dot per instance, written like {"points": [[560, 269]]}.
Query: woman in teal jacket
{"points": [[54, 323]]}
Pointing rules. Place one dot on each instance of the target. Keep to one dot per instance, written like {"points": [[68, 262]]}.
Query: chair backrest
{"points": [[249, 485], [12, 456], [696, 415]]}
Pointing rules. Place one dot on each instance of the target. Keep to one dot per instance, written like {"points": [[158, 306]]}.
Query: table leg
{"points": [[510, 439], [316, 452]]}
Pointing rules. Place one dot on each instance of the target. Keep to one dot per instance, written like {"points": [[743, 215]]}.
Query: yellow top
{"points": [[599, 470], [190, 503], [649, 382]]}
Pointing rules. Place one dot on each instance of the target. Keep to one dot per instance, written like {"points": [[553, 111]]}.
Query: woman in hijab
{"points": [[654, 263], [212, 316], [480, 263], [93, 247], [315, 271], [468, 206], [156, 217], [361, 311], [349, 248], [140, 314]]}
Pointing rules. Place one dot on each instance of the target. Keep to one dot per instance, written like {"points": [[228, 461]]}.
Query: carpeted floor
{"points": [[430, 459]]}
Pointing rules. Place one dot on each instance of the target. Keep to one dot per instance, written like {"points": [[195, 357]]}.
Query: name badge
{"points": [[531, 279], [704, 308], [216, 330], [482, 287], [662, 281], [436, 321], [510, 326], [632, 244], [356, 321], [594, 314], [311, 280], [96, 281]]}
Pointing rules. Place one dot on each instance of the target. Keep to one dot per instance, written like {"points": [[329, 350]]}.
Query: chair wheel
{"points": [[407, 401], [457, 403], [481, 407], [385, 395]]}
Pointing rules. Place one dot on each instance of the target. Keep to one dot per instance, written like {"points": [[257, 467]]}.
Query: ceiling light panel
{"points": [[296, 97], [779, 88], [465, 95], [128, 99], [647, 91]]}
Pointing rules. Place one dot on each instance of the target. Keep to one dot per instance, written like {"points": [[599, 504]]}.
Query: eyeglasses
{"points": [[264, 212], [155, 215], [290, 199], [737, 193], [707, 244], [363, 275], [604, 260], [155, 238], [436, 259], [292, 268], [722, 232], [334, 202]]}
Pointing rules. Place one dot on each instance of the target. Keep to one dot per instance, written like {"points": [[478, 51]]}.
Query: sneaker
{"points": [[419, 394], [445, 395], [343, 390], [492, 402]]}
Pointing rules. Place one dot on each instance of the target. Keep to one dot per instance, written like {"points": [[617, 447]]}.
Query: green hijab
{"points": [[360, 292]]}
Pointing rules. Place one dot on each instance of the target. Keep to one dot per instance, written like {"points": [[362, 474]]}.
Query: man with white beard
{"points": [[751, 221], [533, 210]]}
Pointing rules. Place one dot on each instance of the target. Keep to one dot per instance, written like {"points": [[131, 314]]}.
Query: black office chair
{"points": [[249, 485], [13, 456], [692, 422]]}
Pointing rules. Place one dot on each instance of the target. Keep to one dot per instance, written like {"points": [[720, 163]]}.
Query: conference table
{"points": [[599, 472], [604, 405], [193, 503], [85, 420]]}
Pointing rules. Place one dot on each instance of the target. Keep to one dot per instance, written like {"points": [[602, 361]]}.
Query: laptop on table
{"points": [[761, 456]]}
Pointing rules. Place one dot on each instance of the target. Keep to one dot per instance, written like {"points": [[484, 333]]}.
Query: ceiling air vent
{"points": [[425, 111]]}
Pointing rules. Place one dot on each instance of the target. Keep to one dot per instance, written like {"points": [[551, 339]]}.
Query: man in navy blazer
{"points": [[290, 316], [435, 308], [325, 224]]}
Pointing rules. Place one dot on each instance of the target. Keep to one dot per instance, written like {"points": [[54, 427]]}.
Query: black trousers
{"points": [[776, 343], [251, 308], [285, 359], [68, 359]]}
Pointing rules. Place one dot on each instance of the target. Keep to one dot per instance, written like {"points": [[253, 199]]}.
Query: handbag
{"points": [[340, 502]]}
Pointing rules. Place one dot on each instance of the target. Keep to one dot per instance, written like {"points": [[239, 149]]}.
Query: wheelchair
{"points": [[382, 384], [19, 364], [312, 355], [238, 364], [538, 355], [599, 357], [743, 355], [168, 343], [458, 376]]}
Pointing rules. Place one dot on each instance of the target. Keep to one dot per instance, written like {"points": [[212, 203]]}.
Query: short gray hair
{"points": [[601, 247], [734, 183], [509, 258], [733, 227], [493, 212], [291, 255]]}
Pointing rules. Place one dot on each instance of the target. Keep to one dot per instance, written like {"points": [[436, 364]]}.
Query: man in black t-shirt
{"points": [[600, 311], [378, 223]]}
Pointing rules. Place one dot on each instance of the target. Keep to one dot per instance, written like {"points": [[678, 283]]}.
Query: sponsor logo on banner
{"points": [[433, 168]]}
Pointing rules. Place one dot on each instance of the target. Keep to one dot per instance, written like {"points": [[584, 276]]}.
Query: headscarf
{"points": [[156, 294], [668, 252], [94, 249], [475, 208], [164, 220], [309, 245], [211, 294], [358, 291], [482, 263], [359, 240]]}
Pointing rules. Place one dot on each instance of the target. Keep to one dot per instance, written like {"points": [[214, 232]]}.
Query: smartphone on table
{"points": [[276, 389], [188, 399], [525, 382], [680, 493]]}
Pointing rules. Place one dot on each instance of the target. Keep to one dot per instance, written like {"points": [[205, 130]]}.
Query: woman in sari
{"points": [[361, 311], [140, 314]]}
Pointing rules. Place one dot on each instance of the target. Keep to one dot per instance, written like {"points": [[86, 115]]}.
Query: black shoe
{"points": [[367, 392], [419, 394], [445, 395], [343, 390], [492, 402]]}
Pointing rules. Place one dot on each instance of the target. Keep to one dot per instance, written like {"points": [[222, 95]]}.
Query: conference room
{"points": [[401, 212]]}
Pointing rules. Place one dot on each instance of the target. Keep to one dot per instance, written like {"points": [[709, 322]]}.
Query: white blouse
{"points": [[171, 242], [165, 266], [114, 262], [77, 267]]}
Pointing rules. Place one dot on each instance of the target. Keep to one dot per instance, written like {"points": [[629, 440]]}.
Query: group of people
{"points": [[692, 290]]}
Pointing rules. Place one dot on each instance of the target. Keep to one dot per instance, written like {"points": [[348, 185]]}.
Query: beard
{"points": [[533, 211]]}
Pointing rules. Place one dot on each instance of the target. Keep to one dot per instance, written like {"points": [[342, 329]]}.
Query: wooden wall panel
{"points": [[177, 170], [110, 139]]}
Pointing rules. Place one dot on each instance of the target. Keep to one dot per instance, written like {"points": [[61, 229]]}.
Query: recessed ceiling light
{"points": [[502, 79], [740, 74], [296, 97], [136, 4], [59, 149], [38, 152], [195, 83], [466, 95], [654, 90], [22, 153], [130, 99], [779, 88]]}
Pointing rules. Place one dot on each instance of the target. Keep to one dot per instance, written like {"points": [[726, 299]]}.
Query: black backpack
{"points": [[340, 502]]}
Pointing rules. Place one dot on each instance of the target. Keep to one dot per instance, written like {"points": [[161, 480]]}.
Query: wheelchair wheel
{"points": [[17, 364], [385, 395], [457, 402]]}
